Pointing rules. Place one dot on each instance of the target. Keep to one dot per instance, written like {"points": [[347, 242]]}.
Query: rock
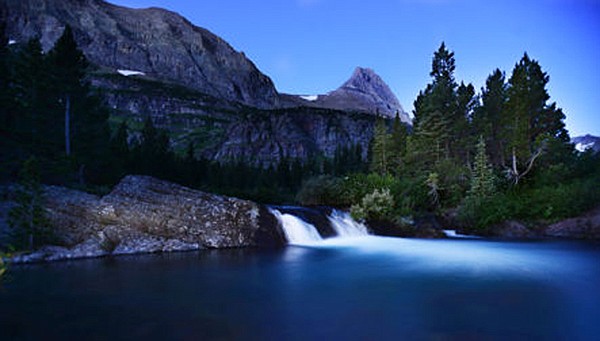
{"points": [[586, 226], [143, 214], [265, 137], [511, 229]]}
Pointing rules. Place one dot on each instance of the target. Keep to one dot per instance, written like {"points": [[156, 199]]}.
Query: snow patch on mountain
{"points": [[128, 73], [311, 98]]}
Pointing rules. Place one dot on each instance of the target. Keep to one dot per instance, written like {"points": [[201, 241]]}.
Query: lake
{"points": [[354, 288]]}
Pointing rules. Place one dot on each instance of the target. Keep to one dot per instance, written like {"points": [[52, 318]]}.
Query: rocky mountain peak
{"points": [[365, 91]]}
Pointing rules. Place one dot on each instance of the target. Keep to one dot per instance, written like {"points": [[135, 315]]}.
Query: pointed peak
{"points": [[362, 78]]}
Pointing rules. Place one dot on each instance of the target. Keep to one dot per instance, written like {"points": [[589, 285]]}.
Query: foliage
{"points": [[27, 219], [321, 190], [381, 149], [482, 179], [377, 205]]}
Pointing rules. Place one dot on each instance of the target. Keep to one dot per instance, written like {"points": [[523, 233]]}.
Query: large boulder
{"points": [[144, 214]]}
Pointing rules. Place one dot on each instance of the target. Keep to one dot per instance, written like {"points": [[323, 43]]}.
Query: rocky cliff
{"points": [[365, 91], [143, 214], [154, 42]]}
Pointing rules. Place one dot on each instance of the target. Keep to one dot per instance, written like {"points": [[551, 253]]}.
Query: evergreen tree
{"points": [[436, 114], [119, 148], [85, 121], [153, 153], [398, 144], [482, 178], [35, 125], [381, 148], [531, 121], [27, 219], [466, 104], [489, 120]]}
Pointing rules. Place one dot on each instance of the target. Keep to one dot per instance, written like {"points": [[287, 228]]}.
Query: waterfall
{"points": [[296, 230], [345, 226], [299, 232]]}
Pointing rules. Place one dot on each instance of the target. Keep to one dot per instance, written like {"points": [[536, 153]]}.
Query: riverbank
{"points": [[146, 215]]}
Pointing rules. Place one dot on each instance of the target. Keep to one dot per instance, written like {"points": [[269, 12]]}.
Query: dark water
{"points": [[368, 288]]}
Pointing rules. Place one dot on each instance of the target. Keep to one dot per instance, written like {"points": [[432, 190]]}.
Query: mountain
{"points": [[365, 91], [154, 63], [149, 42], [586, 142]]}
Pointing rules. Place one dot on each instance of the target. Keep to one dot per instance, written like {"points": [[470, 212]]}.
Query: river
{"points": [[354, 288]]}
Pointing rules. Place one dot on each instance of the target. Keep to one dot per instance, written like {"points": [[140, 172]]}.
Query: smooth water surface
{"points": [[358, 288]]}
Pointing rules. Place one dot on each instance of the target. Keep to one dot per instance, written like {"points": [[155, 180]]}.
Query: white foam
{"points": [[453, 234], [345, 226], [296, 230]]}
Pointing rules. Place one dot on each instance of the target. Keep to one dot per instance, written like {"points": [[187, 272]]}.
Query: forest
{"points": [[485, 157]]}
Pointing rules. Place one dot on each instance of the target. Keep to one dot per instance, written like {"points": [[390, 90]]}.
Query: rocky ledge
{"points": [[143, 214]]}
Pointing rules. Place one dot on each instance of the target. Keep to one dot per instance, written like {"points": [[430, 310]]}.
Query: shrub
{"points": [[377, 205]]}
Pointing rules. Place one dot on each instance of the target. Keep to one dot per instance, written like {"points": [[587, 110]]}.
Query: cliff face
{"points": [[161, 44], [265, 137]]}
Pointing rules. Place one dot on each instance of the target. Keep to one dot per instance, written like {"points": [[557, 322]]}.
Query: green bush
{"points": [[377, 205], [544, 204]]}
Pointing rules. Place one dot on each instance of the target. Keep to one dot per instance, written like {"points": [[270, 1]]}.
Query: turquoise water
{"points": [[354, 289]]}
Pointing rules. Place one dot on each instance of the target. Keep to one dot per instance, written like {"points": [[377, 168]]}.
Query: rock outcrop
{"points": [[143, 214], [154, 42], [365, 91], [586, 226]]}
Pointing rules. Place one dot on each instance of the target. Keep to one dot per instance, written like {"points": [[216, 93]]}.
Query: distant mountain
{"points": [[365, 91], [152, 42], [583, 143]]}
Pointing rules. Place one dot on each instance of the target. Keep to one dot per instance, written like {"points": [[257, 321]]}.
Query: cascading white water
{"points": [[345, 226], [297, 231]]}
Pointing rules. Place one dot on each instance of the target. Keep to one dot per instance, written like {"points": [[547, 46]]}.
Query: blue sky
{"points": [[312, 46]]}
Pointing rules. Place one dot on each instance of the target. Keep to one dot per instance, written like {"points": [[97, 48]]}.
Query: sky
{"points": [[312, 46]]}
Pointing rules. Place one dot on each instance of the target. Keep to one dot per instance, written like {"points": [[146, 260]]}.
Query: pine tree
{"points": [[531, 122], [27, 218], [436, 114], [35, 124], [482, 179], [85, 120], [398, 144], [490, 120], [381, 148], [466, 104]]}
